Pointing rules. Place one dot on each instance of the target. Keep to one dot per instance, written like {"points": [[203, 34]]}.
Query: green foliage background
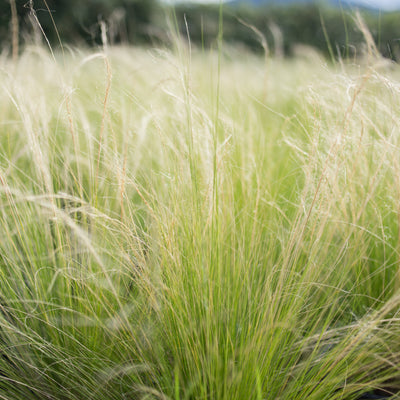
{"points": [[78, 21], [144, 21], [299, 24]]}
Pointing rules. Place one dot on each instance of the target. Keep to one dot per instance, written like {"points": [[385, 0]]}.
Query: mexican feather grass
{"points": [[169, 232]]}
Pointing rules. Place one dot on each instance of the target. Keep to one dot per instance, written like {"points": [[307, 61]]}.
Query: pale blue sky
{"points": [[383, 4]]}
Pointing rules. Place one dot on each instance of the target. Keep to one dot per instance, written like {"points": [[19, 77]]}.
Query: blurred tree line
{"points": [[332, 31], [80, 21]]}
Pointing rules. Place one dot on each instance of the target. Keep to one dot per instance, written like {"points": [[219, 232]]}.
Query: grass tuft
{"points": [[172, 230]]}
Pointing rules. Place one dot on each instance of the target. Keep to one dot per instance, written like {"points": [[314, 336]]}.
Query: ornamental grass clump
{"points": [[182, 225]]}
